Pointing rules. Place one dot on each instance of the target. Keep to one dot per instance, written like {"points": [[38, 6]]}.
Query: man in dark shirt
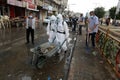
{"points": [[74, 21]]}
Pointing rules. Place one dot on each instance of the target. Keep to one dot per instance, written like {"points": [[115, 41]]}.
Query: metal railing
{"points": [[109, 47]]}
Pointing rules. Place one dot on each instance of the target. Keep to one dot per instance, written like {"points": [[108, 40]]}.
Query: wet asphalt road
{"points": [[15, 60], [15, 57]]}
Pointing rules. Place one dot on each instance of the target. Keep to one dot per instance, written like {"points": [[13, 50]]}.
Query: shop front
{"points": [[16, 8], [43, 14], [17, 12], [4, 9], [12, 11], [19, 9]]}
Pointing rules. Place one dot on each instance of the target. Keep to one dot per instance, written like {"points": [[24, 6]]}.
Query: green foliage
{"points": [[112, 13], [100, 12]]}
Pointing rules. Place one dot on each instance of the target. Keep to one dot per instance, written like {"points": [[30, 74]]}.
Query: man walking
{"points": [[93, 27], [62, 34], [51, 29], [81, 23], [30, 27], [74, 21]]}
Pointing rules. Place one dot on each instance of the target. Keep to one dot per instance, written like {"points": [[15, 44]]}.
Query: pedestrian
{"points": [[62, 34], [107, 21], [51, 29], [101, 21], [81, 23], [30, 27], [74, 21], [70, 21], [93, 27], [86, 26]]}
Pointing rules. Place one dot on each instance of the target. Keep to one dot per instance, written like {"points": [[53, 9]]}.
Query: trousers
{"points": [[28, 32], [92, 35]]}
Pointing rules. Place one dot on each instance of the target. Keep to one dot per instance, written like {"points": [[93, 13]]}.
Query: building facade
{"points": [[40, 8]]}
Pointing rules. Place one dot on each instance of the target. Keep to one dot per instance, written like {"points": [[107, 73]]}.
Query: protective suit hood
{"points": [[53, 18]]}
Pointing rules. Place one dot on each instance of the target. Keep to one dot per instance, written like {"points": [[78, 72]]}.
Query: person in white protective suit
{"points": [[51, 29], [62, 34]]}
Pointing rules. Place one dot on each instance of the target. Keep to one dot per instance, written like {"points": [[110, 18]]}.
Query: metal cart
{"points": [[43, 52]]}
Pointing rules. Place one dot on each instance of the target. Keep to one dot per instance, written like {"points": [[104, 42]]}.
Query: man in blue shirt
{"points": [[93, 22]]}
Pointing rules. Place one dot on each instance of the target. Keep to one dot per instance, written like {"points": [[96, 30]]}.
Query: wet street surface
{"points": [[16, 64], [88, 64], [16, 58]]}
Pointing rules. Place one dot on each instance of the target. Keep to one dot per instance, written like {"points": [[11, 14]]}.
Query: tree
{"points": [[99, 11], [112, 13]]}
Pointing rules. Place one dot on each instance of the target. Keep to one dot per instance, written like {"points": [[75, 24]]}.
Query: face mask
{"points": [[30, 16], [91, 16]]}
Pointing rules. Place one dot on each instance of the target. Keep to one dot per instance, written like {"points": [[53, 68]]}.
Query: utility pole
{"points": [[117, 10]]}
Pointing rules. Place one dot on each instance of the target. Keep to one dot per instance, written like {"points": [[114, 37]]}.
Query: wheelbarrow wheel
{"points": [[40, 62]]}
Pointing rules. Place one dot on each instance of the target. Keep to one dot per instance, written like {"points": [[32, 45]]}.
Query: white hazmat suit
{"points": [[62, 31], [51, 29]]}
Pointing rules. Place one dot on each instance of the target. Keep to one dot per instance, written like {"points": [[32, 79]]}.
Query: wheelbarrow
{"points": [[43, 52]]}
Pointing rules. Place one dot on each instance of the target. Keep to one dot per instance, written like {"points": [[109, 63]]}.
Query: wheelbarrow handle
{"points": [[62, 44], [54, 39]]}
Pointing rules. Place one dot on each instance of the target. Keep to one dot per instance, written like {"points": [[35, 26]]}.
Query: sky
{"points": [[84, 6]]}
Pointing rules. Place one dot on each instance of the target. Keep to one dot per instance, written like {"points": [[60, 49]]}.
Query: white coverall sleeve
{"points": [[66, 30], [48, 29]]}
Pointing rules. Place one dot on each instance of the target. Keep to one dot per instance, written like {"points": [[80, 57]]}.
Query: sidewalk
{"points": [[88, 66]]}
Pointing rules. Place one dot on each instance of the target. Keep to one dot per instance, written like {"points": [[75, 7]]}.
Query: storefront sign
{"points": [[50, 8], [19, 3], [32, 7], [11, 2], [29, 1], [50, 12], [45, 7]]}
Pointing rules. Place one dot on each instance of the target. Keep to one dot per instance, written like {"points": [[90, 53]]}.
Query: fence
{"points": [[109, 47]]}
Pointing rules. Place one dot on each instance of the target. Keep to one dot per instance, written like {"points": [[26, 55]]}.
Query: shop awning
{"points": [[33, 9]]}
